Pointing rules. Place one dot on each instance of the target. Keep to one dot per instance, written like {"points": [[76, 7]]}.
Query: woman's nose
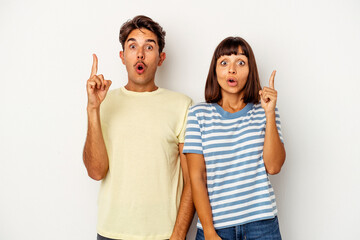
{"points": [[232, 69]]}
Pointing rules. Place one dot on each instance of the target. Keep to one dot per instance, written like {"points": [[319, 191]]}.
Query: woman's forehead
{"points": [[230, 50]]}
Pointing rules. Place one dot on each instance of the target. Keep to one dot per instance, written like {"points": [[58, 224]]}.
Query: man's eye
{"points": [[223, 63], [242, 63], [149, 47], [132, 46]]}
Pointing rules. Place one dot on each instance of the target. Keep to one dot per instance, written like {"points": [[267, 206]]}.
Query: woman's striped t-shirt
{"points": [[232, 144]]}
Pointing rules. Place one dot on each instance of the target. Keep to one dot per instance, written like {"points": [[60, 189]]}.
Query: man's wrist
{"points": [[93, 115], [90, 109], [177, 235]]}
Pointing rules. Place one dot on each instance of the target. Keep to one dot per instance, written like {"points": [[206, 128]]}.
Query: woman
{"points": [[233, 141]]}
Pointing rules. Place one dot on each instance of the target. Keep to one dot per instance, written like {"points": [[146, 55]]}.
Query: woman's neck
{"points": [[232, 103]]}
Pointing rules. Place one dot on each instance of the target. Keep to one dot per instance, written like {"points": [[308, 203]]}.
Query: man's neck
{"points": [[141, 88]]}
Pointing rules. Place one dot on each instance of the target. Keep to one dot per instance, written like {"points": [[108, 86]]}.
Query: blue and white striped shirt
{"points": [[232, 144]]}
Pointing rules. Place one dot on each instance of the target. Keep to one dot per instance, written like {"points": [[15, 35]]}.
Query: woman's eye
{"points": [[223, 63], [241, 63]]}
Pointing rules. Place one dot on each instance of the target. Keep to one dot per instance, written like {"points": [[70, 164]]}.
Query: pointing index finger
{"points": [[272, 79], [94, 66]]}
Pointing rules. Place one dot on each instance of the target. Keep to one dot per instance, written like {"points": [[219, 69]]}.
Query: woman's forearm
{"points": [[202, 205], [274, 151], [196, 164]]}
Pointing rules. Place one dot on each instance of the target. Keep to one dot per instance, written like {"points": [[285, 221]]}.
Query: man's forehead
{"points": [[146, 40], [142, 35]]}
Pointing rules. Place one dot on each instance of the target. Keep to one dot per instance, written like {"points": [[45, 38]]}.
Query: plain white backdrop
{"points": [[46, 49]]}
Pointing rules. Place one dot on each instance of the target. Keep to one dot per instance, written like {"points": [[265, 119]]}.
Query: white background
{"points": [[46, 49]]}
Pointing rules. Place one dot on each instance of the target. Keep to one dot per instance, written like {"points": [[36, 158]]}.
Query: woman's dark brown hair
{"points": [[139, 22], [252, 87]]}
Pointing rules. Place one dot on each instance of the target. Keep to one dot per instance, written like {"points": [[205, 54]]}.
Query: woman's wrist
{"points": [[209, 231], [270, 114]]}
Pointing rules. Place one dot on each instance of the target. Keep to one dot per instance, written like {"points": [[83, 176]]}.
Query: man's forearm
{"points": [[185, 214], [95, 156]]}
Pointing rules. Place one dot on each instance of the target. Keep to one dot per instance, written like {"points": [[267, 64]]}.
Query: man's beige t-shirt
{"points": [[140, 195]]}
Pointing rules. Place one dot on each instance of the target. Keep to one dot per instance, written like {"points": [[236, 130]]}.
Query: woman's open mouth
{"points": [[232, 82]]}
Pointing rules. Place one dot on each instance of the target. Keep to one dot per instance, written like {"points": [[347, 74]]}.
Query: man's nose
{"points": [[140, 55]]}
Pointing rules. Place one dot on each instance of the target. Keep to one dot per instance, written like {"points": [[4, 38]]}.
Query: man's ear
{"points": [[122, 57], [162, 58]]}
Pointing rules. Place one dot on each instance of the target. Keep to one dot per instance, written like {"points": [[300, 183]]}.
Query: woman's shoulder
{"points": [[203, 106], [256, 107]]}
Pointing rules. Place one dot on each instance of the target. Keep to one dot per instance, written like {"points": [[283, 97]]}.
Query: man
{"points": [[134, 143]]}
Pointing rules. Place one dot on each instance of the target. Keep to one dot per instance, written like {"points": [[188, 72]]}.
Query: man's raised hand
{"points": [[97, 87]]}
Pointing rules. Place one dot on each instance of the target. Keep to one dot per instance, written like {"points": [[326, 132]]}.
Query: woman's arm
{"points": [[197, 170], [274, 151]]}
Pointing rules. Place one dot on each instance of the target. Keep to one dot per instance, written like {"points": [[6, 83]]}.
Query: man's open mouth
{"points": [[140, 67]]}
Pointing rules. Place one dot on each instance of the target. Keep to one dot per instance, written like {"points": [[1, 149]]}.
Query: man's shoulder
{"points": [[169, 94], [113, 93], [111, 98]]}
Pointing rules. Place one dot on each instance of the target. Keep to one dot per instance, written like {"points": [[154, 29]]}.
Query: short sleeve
{"points": [[278, 124], [193, 141], [181, 136]]}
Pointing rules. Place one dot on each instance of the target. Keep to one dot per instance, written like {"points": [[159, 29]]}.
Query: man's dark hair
{"points": [[252, 87], [139, 22]]}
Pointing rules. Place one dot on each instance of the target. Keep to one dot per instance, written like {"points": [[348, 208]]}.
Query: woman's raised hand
{"points": [[268, 95]]}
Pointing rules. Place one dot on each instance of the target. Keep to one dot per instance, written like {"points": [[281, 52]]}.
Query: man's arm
{"points": [[186, 210], [95, 156]]}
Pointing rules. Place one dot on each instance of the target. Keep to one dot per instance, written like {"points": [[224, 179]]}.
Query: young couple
{"points": [[153, 172]]}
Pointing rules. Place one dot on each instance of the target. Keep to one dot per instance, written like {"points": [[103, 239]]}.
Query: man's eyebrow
{"points": [[147, 40], [151, 40]]}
